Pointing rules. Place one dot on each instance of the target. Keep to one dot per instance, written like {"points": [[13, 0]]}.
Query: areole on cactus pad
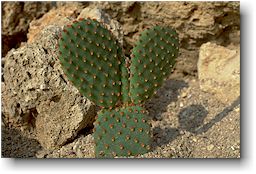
{"points": [[94, 62]]}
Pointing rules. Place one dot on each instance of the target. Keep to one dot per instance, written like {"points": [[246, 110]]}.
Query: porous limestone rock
{"points": [[37, 95], [219, 71]]}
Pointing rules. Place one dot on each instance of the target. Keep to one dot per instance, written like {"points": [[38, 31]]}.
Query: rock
{"points": [[237, 109], [38, 96], [184, 94], [58, 17], [172, 104], [69, 118], [194, 139], [66, 13], [186, 62], [82, 147], [210, 147], [193, 20], [202, 16], [15, 21], [219, 72]]}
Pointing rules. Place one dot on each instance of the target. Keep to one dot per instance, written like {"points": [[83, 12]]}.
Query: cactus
{"points": [[90, 59], [94, 62], [152, 60], [122, 131]]}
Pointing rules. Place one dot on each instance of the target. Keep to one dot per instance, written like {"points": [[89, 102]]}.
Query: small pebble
{"points": [[43, 86], [237, 109], [184, 94], [182, 132], [210, 147], [79, 154], [194, 139], [75, 147], [172, 104]]}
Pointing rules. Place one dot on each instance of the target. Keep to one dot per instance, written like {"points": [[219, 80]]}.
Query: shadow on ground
{"points": [[15, 145], [190, 118], [165, 95]]}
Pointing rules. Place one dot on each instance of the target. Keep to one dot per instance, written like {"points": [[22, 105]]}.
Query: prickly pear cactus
{"points": [[122, 131], [91, 60], [152, 60], [94, 62]]}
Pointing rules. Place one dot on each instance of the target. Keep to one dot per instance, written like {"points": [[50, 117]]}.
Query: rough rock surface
{"points": [[82, 147], [16, 19], [57, 16], [193, 20], [66, 13], [219, 71], [36, 94]]}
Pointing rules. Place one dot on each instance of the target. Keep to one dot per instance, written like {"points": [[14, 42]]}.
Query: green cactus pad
{"points": [[91, 59], [122, 132], [153, 58]]}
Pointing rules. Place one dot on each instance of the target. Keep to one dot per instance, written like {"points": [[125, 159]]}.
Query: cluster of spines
{"points": [[122, 132], [153, 58], [91, 58]]}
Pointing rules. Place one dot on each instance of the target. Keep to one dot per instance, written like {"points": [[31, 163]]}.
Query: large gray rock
{"points": [[37, 95], [219, 71]]}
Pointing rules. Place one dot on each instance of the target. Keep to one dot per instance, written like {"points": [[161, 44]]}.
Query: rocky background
{"points": [[196, 113]]}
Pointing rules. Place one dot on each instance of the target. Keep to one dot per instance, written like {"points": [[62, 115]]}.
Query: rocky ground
{"points": [[195, 114]]}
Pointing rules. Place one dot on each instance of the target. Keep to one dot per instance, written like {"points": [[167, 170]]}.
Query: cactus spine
{"points": [[94, 62]]}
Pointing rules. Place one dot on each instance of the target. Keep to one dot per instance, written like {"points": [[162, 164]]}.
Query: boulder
{"points": [[37, 96], [219, 71]]}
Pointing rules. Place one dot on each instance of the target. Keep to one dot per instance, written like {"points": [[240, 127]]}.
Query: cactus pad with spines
{"points": [[95, 63], [153, 58], [122, 132], [90, 57]]}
